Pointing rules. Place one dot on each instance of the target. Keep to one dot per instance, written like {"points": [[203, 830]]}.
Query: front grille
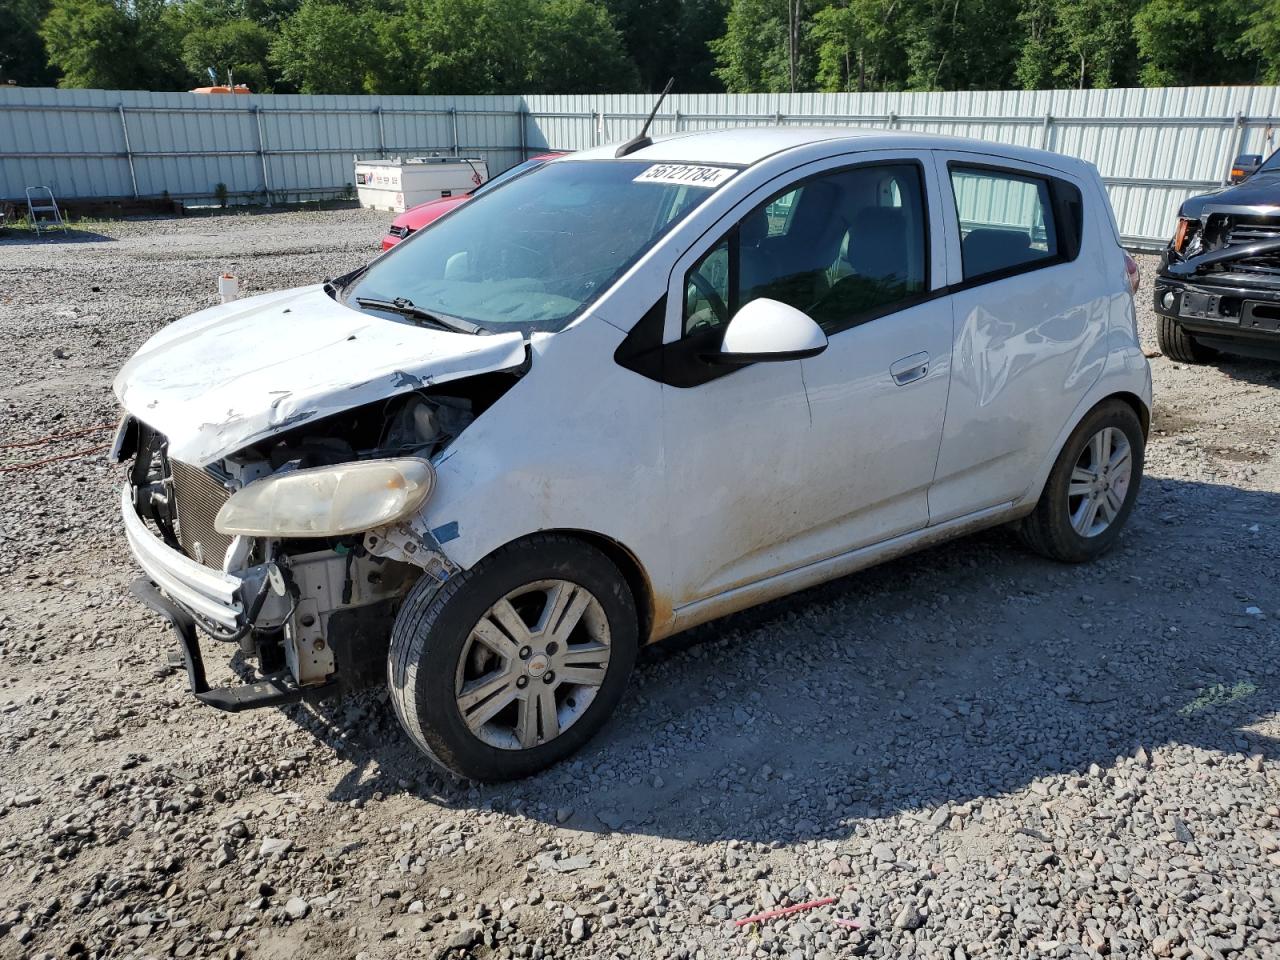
{"points": [[197, 498], [1242, 230], [1252, 229]]}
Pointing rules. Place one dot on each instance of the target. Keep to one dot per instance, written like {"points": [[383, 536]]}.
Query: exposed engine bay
{"points": [[319, 607]]}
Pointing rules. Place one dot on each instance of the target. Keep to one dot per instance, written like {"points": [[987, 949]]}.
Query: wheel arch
{"points": [[1129, 398], [652, 615], [1140, 409]]}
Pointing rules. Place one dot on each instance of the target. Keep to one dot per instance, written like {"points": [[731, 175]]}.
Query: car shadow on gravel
{"points": [[965, 671], [22, 238], [1260, 365]]}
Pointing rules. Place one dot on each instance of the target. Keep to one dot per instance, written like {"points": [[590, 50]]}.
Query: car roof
{"points": [[749, 145]]}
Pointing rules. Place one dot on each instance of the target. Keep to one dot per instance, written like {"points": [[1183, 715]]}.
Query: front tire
{"points": [[514, 664], [1177, 344], [1091, 488]]}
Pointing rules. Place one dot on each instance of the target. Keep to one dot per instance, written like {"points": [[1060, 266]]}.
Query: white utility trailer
{"points": [[397, 184]]}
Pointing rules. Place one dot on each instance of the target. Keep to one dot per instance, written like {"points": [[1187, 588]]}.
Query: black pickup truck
{"points": [[1218, 286]]}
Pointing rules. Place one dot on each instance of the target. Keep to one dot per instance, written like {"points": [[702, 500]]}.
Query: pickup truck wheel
{"points": [[1177, 344], [514, 664], [1091, 488]]}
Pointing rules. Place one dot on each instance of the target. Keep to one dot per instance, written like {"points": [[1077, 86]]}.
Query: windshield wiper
{"points": [[335, 285], [406, 308]]}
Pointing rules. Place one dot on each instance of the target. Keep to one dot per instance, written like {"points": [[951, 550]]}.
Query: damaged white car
{"points": [[624, 394]]}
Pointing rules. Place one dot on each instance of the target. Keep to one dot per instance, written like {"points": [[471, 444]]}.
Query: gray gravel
{"points": [[978, 753]]}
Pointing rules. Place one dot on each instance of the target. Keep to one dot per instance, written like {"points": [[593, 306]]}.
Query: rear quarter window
{"points": [[1012, 221]]}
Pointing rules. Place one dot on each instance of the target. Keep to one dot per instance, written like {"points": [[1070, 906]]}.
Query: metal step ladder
{"points": [[40, 200]]}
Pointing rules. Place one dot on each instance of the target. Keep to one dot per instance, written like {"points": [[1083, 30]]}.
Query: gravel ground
{"points": [[977, 752]]}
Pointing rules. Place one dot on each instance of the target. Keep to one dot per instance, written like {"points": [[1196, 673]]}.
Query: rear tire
{"points": [[512, 665], [1177, 344], [1063, 527]]}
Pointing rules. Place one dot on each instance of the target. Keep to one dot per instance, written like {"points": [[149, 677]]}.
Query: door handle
{"points": [[909, 369]]}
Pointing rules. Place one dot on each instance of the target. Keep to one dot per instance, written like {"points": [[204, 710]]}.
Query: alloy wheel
{"points": [[532, 665], [1100, 482]]}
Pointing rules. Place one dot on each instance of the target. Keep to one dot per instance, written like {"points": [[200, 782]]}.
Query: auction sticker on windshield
{"points": [[687, 174]]}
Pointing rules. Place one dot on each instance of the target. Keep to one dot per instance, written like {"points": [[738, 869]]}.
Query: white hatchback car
{"points": [[627, 393]]}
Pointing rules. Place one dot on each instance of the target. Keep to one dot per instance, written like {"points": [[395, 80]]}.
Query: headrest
{"points": [[819, 206], [989, 248], [878, 243]]}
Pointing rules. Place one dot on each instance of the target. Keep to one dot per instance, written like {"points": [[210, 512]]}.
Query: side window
{"points": [[779, 212], [1006, 220], [840, 247], [706, 289]]}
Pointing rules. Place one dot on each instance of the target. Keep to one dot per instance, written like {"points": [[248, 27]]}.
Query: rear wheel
{"points": [[1177, 344], [1092, 487], [514, 664]]}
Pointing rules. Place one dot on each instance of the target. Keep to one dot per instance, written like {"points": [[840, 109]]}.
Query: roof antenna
{"points": [[641, 140]]}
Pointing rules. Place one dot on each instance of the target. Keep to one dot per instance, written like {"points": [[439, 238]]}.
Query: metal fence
{"points": [[1153, 147]]}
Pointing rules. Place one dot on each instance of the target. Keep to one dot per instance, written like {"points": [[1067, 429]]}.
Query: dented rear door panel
{"points": [[1026, 351]]}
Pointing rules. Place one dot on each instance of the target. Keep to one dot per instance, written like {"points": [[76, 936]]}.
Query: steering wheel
{"points": [[711, 295]]}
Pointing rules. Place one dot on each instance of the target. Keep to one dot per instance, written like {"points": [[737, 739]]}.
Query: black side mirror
{"points": [[1245, 166]]}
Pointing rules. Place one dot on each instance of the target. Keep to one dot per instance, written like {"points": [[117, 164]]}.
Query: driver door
{"points": [[735, 441], [779, 464]]}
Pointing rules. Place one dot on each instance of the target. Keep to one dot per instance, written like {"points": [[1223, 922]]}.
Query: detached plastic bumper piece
{"points": [[273, 690]]}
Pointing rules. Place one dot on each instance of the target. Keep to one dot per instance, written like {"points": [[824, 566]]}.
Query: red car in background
{"points": [[415, 218]]}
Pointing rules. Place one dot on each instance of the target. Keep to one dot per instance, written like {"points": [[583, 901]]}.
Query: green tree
{"points": [[457, 46], [22, 54], [761, 51], [239, 47], [326, 48], [669, 39], [1187, 43], [1042, 49], [575, 48], [649, 30], [859, 46], [701, 21], [1098, 38], [1263, 38], [122, 44], [952, 45], [503, 46]]}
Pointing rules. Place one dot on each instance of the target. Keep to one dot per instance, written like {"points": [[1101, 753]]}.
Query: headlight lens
{"points": [[1186, 229], [328, 501]]}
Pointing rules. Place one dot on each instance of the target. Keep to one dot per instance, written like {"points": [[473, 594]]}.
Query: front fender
{"points": [[576, 444]]}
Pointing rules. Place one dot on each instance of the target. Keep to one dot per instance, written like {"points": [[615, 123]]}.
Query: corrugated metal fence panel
{"points": [[186, 144], [1153, 146], [85, 124]]}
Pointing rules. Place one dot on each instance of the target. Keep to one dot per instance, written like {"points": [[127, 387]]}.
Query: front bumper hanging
{"points": [[222, 601], [273, 690], [215, 596]]}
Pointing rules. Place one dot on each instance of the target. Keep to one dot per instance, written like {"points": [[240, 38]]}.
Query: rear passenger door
{"points": [[1029, 324]]}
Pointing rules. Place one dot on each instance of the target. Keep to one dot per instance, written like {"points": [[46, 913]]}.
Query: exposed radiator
{"points": [[198, 497]]}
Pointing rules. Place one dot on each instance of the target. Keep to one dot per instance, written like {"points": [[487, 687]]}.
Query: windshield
{"points": [[1272, 164], [509, 174], [535, 253]]}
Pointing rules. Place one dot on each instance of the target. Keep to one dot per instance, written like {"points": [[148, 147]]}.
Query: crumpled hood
{"points": [[1262, 190], [226, 377]]}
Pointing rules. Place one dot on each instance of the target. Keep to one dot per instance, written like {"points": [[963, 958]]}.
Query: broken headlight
{"points": [[1186, 239], [328, 501]]}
